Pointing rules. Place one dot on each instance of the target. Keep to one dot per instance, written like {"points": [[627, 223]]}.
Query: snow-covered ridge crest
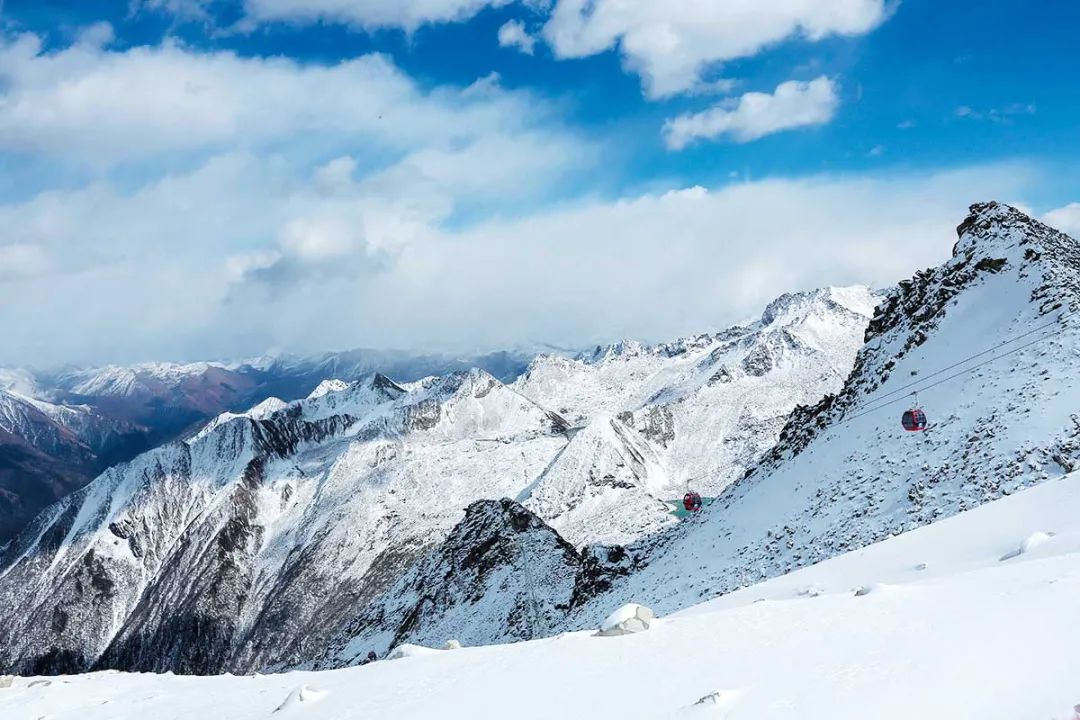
{"points": [[987, 338], [711, 404], [993, 239]]}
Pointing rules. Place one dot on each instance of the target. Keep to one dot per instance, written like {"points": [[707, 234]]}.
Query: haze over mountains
{"points": [[380, 512]]}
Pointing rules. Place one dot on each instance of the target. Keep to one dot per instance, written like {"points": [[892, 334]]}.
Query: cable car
{"points": [[914, 420], [691, 501]]}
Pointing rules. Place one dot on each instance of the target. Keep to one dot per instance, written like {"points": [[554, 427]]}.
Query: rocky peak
{"points": [[621, 349], [995, 239], [327, 386], [474, 383]]}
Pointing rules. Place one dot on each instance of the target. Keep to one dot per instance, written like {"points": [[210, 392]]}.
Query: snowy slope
{"points": [[604, 487], [711, 405], [845, 474], [47, 450], [969, 636]]}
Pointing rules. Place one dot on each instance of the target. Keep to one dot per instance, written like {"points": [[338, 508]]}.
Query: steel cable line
{"points": [[1058, 321], [879, 405]]}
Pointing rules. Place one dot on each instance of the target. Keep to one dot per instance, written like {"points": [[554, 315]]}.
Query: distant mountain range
{"points": [[59, 429], [294, 532]]}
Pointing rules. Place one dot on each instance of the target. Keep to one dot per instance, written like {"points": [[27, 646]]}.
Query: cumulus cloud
{"points": [[1066, 219], [514, 35], [672, 44], [792, 105], [200, 187], [305, 206], [86, 103]]}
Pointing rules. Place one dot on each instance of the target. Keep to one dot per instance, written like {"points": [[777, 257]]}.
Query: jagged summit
{"points": [[1002, 402], [327, 386], [998, 246], [711, 404]]}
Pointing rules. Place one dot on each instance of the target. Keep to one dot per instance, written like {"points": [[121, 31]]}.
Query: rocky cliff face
{"points": [[501, 574]]}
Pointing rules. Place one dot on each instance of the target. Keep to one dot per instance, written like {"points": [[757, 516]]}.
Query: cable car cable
{"points": [[879, 405], [1002, 344], [845, 421]]}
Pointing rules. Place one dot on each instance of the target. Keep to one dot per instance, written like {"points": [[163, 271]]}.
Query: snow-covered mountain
{"points": [[48, 450], [990, 338], [249, 544], [307, 533], [272, 536], [710, 405], [972, 617], [97, 417]]}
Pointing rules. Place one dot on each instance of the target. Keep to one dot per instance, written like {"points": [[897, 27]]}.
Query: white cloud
{"points": [[514, 35], [21, 260], [183, 9], [243, 253], [98, 35], [370, 14], [792, 105], [1066, 219], [85, 103], [219, 183], [672, 44], [1000, 115], [307, 206]]}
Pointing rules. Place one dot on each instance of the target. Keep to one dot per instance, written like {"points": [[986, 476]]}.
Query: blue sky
{"points": [[190, 179]]}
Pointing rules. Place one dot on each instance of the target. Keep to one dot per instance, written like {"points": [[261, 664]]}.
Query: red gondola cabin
{"points": [[914, 420], [691, 501]]}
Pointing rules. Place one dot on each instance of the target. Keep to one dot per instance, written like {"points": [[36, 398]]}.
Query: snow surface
{"points": [[948, 630]]}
